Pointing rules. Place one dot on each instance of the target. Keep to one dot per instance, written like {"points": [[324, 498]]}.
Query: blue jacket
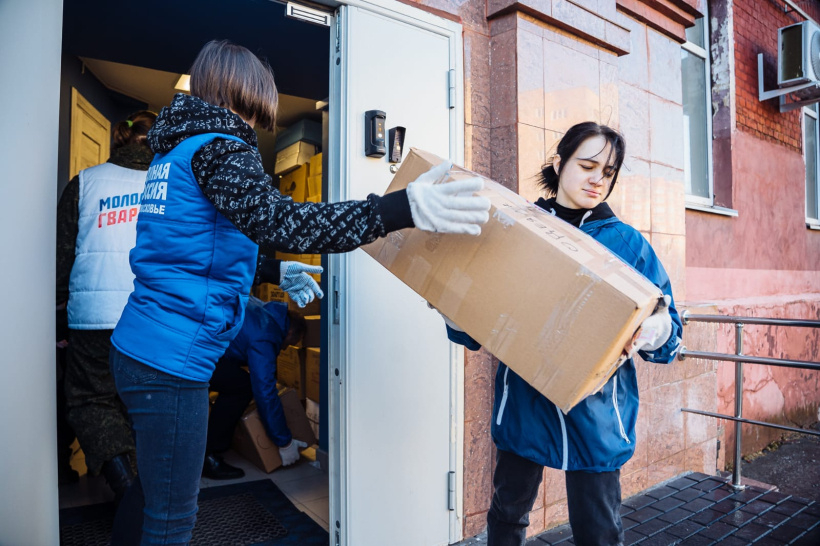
{"points": [[193, 272], [258, 344], [597, 435]]}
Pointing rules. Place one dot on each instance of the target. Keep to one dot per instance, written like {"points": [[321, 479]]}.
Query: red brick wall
{"points": [[764, 262], [755, 25]]}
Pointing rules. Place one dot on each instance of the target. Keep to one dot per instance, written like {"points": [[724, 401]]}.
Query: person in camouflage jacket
{"points": [[94, 409]]}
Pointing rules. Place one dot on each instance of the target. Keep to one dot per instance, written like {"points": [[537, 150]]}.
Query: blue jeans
{"points": [[593, 499], [169, 416]]}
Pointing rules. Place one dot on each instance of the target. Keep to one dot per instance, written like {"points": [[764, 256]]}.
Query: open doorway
{"points": [[123, 58], [393, 377]]}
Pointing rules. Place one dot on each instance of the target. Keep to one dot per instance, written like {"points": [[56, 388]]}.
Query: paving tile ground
{"points": [[696, 509]]}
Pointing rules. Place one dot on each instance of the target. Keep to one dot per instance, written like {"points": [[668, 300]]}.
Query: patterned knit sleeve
{"points": [[231, 176]]}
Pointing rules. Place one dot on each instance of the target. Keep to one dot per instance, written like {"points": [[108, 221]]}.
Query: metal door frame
{"points": [[338, 267]]}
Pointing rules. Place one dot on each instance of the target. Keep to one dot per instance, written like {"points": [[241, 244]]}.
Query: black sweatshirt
{"points": [[576, 217]]}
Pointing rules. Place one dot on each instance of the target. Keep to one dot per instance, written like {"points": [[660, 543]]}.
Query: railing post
{"points": [[738, 407]]}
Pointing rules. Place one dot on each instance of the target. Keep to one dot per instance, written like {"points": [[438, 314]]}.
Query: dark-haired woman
{"points": [[597, 436], [207, 205], [96, 229]]}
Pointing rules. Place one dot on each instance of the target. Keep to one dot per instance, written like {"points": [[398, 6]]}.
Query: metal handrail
{"points": [[686, 317], [739, 358], [686, 353]]}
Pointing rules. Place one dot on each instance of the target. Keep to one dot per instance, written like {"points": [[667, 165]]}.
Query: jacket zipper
{"points": [[503, 398], [617, 410], [565, 453]]}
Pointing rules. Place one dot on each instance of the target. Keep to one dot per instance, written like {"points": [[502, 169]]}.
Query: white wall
{"points": [[30, 42]]}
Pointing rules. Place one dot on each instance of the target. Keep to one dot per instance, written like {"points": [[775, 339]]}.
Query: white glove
{"points": [[440, 208], [447, 321], [655, 330], [296, 281], [290, 453]]}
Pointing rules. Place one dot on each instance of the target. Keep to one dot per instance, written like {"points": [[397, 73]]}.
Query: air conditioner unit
{"points": [[798, 67], [798, 59]]}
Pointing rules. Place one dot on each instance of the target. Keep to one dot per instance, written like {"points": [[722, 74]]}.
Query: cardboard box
{"points": [[313, 190], [306, 130], [270, 292], [313, 331], [310, 259], [293, 156], [294, 184], [252, 442], [312, 373], [316, 165], [290, 369], [542, 296], [312, 411]]}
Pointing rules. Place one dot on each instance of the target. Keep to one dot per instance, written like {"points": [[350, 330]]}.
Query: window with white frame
{"points": [[810, 149], [697, 114]]}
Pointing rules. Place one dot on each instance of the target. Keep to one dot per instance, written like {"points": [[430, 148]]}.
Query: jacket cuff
{"points": [[285, 443], [394, 209]]}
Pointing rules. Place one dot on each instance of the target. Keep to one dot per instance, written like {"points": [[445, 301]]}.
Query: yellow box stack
{"points": [[314, 181], [290, 369], [294, 184], [312, 373], [270, 292]]}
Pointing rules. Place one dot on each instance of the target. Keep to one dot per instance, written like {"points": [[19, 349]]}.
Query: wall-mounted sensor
{"points": [[374, 137], [396, 140]]}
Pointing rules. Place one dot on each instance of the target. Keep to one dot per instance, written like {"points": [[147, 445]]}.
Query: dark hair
{"points": [[229, 75], [133, 130], [570, 142], [297, 327]]}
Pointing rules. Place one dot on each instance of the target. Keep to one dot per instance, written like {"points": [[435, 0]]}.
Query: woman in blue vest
{"points": [[207, 204], [597, 436], [96, 229]]}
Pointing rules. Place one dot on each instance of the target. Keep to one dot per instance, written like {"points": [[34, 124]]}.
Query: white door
{"points": [[30, 41], [395, 400]]}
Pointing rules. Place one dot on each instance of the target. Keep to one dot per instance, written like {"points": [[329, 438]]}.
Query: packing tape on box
{"points": [[458, 285], [503, 335], [504, 219], [390, 248], [418, 272], [563, 314]]}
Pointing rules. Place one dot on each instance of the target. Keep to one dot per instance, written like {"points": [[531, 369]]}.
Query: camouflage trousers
{"points": [[95, 411]]}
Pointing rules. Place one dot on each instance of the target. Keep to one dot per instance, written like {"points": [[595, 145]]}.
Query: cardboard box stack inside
{"points": [[312, 373], [312, 411], [270, 292], [290, 369], [542, 296], [300, 170], [296, 145]]}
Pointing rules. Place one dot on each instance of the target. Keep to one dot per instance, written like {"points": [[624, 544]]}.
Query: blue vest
{"points": [[193, 272]]}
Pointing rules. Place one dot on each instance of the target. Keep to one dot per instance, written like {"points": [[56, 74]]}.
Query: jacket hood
{"points": [[188, 116]]}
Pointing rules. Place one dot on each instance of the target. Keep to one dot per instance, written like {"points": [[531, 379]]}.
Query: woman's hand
{"points": [[654, 331], [447, 208]]}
